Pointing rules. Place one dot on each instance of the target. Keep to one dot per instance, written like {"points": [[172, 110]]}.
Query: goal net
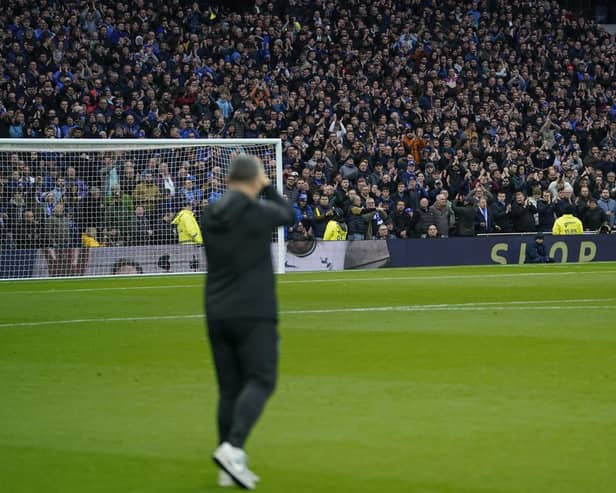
{"points": [[94, 207]]}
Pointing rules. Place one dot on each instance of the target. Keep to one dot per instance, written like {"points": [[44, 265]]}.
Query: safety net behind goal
{"points": [[115, 207]]}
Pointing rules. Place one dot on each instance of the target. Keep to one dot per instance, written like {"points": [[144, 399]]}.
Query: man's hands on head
{"points": [[264, 180]]}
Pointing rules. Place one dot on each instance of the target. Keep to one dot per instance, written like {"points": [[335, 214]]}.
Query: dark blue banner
{"points": [[498, 250], [17, 263]]}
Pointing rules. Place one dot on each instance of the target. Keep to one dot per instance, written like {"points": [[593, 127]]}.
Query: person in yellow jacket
{"points": [[567, 224], [336, 228], [88, 238], [189, 232]]}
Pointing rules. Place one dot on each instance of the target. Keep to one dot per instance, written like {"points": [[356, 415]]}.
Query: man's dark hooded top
{"points": [[237, 233]]}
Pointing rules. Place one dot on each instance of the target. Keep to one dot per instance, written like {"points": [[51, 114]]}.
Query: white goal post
{"points": [[94, 207]]}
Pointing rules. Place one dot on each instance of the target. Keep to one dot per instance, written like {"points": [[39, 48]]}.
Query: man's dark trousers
{"points": [[245, 352]]}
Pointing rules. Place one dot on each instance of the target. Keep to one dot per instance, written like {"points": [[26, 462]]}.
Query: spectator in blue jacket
{"points": [[303, 211]]}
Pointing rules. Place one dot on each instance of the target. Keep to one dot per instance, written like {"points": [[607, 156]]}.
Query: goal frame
{"points": [[84, 145]]}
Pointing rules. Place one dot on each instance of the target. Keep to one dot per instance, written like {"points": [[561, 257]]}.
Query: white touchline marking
{"points": [[114, 288], [451, 306], [482, 306], [316, 281], [437, 277], [443, 309]]}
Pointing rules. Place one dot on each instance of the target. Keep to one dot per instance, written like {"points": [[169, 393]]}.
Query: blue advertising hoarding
{"points": [[312, 255], [497, 250]]}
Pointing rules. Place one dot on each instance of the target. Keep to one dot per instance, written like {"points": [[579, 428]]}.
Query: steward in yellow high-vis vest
{"points": [[336, 228], [188, 228], [567, 224]]}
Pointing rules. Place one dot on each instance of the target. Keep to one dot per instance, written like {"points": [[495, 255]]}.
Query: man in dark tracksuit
{"points": [[536, 252], [241, 307]]}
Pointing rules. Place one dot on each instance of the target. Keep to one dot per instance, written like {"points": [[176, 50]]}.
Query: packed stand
{"points": [[399, 119]]}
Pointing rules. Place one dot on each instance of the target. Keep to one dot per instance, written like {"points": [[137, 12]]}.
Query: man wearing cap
{"points": [[409, 171], [414, 193], [303, 212], [536, 252], [241, 307]]}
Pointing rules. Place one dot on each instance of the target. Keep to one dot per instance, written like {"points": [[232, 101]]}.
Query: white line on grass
{"points": [[428, 308], [484, 306], [114, 288], [447, 277], [349, 279]]}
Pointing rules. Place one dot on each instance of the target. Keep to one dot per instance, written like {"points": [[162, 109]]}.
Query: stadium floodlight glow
{"points": [[92, 207]]}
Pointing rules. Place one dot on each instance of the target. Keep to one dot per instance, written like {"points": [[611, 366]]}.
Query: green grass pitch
{"points": [[449, 380]]}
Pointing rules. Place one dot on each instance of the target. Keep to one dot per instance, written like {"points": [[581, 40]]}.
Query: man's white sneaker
{"points": [[224, 480], [235, 463], [254, 476]]}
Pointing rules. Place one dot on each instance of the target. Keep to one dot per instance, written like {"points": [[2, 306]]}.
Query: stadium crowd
{"points": [[399, 118]]}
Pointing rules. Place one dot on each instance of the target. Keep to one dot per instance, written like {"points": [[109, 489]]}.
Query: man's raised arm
{"points": [[276, 210]]}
